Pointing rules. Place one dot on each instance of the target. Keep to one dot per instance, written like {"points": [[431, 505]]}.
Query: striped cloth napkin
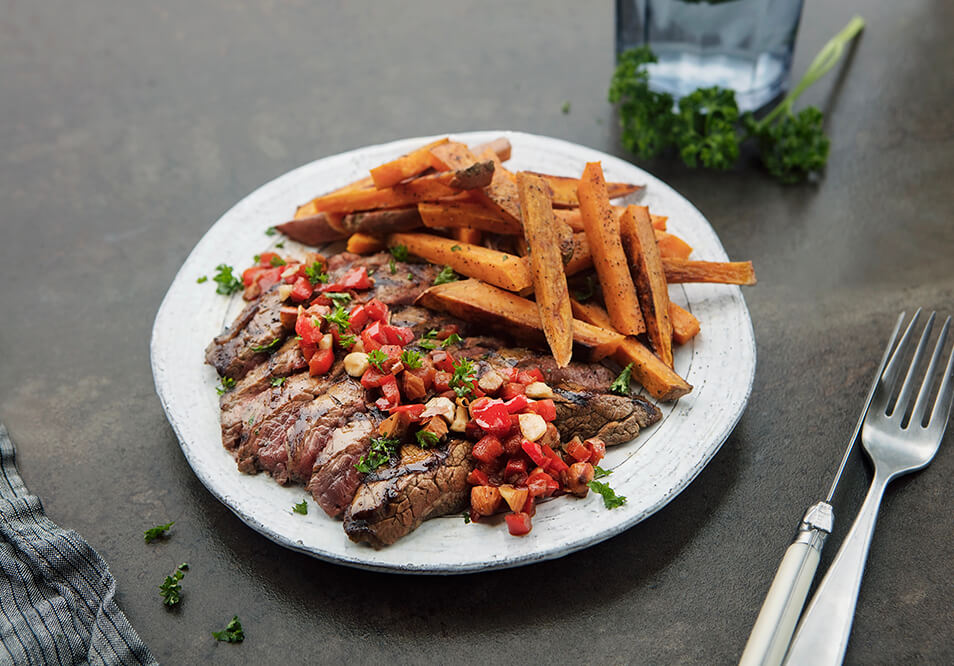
{"points": [[56, 592]]}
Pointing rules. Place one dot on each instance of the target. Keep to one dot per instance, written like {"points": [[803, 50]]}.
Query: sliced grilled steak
{"points": [[334, 478], [392, 502], [613, 418], [240, 348]]}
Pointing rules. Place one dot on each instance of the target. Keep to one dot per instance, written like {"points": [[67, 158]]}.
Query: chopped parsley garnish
{"points": [[270, 347], [225, 386], [610, 499], [278, 381], [463, 379], [382, 448], [427, 344], [301, 507], [410, 277], [227, 283], [232, 633], [171, 590], [446, 275], [347, 341], [599, 472], [620, 385], [565, 109], [452, 339], [466, 515], [399, 252], [456, 248], [280, 244], [392, 265], [376, 357], [201, 279], [276, 261], [426, 439], [587, 293], [154, 533], [338, 297], [271, 231], [340, 318], [431, 334], [315, 274], [411, 359]]}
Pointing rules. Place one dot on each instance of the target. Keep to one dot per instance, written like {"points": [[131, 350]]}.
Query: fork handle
{"points": [[822, 635], [776, 621]]}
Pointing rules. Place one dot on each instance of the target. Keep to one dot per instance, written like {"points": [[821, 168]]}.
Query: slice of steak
{"points": [[334, 478], [393, 501], [399, 286], [613, 418], [246, 343]]}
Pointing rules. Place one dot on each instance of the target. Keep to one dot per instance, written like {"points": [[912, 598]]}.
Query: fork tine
{"points": [[945, 396], [890, 375], [920, 407], [901, 405]]}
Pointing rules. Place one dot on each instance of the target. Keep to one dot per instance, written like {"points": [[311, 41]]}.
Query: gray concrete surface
{"points": [[126, 129]]}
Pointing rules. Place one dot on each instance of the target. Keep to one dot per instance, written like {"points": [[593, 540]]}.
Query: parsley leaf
{"points": [[599, 472], [301, 507], [392, 265], [456, 248], [426, 438], [466, 515], [278, 381], [232, 633], [399, 252], [427, 344], [585, 294], [226, 385], [171, 589], [315, 274], [462, 381], [411, 359], [376, 357], [610, 499], [270, 347], [227, 283], [645, 116], [347, 341], [452, 339], [276, 261], [704, 130], [382, 448], [340, 318], [620, 385], [280, 244], [432, 334], [446, 275], [154, 533], [201, 279], [271, 231], [338, 297]]}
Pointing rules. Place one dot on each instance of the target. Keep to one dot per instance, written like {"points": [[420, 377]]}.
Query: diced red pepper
{"points": [[518, 523], [307, 350], [545, 408], [597, 448], [478, 478], [372, 378], [442, 381], [442, 361], [413, 411], [512, 444], [578, 451], [491, 415], [487, 449], [514, 467], [529, 376], [517, 404], [393, 353], [447, 331], [542, 484], [309, 328], [555, 463], [472, 431], [358, 317], [530, 506], [321, 362], [301, 290], [426, 373], [249, 275], [265, 259], [533, 450], [511, 390], [355, 278], [376, 310], [390, 393], [397, 335]]}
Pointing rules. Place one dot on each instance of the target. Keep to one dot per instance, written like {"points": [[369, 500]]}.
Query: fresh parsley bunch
{"points": [[706, 128]]}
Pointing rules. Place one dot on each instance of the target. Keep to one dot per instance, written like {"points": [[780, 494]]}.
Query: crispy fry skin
{"points": [[602, 233], [639, 241], [472, 300], [504, 270], [656, 377], [720, 272], [414, 163], [564, 189], [546, 262], [456, 214]]}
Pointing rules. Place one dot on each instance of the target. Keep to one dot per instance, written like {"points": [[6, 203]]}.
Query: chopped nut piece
{"points": [[356, 363], [532, 426], [439, 407], [485, 500], [459, 424], [291, 270], [327, 341], [284, 291], [395, 425], [576, 478], [551, 437], [538, 390], [412, 386], [490, 382]]}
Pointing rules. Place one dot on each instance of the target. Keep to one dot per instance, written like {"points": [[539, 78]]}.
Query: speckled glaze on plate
{"points": [[650, 471]]}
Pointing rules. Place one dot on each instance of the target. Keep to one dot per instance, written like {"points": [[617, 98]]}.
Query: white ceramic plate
{"points": [[650, 471]]}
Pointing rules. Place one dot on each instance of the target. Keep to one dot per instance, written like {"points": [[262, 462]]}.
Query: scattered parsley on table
{"points": [[158, 531], [232, 633]]}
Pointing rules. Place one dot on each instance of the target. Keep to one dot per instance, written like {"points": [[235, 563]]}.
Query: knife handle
{"points": [[783, 604]]}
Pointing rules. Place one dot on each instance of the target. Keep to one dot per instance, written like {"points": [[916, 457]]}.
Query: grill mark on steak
{"points": [[392, 502], [334, 478], [258, 325]]}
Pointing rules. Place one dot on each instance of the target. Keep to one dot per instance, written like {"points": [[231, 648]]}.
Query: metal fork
{"points": [[896, 445]]}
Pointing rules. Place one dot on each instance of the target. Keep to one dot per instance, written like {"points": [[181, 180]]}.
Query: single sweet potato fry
{"points": [[720, 272], [639, 241], [672, 247], [312, 230], [656, 377], [572, 217], [445, 214], [501, 193], [360, 243], [414, 163], [498, 268], [602, 233], [546, 263], [476, 301], [685, 326], [564, 189]]}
